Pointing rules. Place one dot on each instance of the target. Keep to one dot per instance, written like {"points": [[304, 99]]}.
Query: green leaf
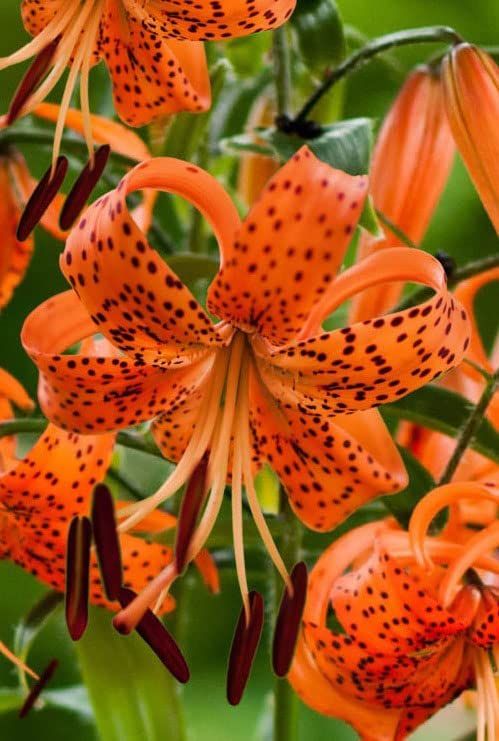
{"points": [[132, 694], [345, 145], [190, 266], [402, 504], [444, 411], [369, 219], [244, 143], [319, 31], [31, 624]]}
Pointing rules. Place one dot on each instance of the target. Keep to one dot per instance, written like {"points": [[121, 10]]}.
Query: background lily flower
{"points": [[409, 170], [264, 384], [412, 639], [154, 53], [11, 394], [470, 81]]}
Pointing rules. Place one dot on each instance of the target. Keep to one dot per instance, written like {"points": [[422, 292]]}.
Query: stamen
{"points": [[189, 510], [243, 649], [77, 576], [289, 620], [480, 698], [237, 528], [31, 79], [41, 198], [38, 688], [106, 541], [83, 187], [128, 618], [154, 633], [16, 660]]}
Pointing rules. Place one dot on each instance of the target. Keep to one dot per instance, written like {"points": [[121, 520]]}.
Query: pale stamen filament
{"points": [[84, 87], [17, 661], [57, 25], [195, 450], [480, 698], [256, 511], [487, 700], [237, 523], [483, 542]]}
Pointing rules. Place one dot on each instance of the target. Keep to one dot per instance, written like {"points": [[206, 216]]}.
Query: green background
{"points": [[205, 626]]}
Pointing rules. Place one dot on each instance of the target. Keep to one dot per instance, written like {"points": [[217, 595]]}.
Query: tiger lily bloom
{"points": [[409, 170], [470, 82], [264, 384], [416, 632], [153, 52]]}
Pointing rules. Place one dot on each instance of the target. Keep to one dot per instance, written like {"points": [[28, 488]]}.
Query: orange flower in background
{"points": [[255, 170], [264, 384], [11, 394], [17, 184], [409, 170], [153, 51], [416, 632], [470, 81]]}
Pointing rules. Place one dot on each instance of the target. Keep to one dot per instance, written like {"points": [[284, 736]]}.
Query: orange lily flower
{"points": [[264, 384], [17, 184], [416, 634], [153, 52], [409, 170], [11, 393], [470, 81], [255, 170]]}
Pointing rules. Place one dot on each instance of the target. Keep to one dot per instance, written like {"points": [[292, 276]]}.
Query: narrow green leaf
{"points": [[319, 31], [132, 694], [369, 219], [401, 505], [32, 623], [345, 145], [444, 411]]}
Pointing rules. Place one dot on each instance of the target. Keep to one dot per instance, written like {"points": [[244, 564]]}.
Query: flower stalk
{"points": [[282, 71], [430, 34]]}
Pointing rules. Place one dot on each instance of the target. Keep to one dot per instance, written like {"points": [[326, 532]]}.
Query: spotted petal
{"points": [[289, 248]]}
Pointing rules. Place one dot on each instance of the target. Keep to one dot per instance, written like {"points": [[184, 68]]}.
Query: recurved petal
{"points": [[327, 469], [371, 362], [470, 80], [205, 21], [133, 296], [289, 248], [151, 76], [409, 170], [96, 393]]}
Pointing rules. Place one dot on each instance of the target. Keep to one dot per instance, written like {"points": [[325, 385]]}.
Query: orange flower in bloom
{"points": [[416, 634], [470, 80], [153, 52], [17, 184], [264, 384], [409, 170]]}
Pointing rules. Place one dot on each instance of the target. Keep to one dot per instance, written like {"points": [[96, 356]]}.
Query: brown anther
{"points": [[83, 186], [38, 688], [189, 510], [41, 198], [243, 649], [77, 575], [288, 621], [106, 539], [153, 632], [29, 82]]}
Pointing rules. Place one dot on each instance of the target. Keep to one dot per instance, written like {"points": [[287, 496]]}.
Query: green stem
{"points": [[282, 70], [470, 428], [285, 699], [459, 274], [132, 440], [431, 34]]}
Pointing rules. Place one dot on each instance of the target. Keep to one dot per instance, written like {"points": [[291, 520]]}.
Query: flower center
{"points": [[222, 432]]}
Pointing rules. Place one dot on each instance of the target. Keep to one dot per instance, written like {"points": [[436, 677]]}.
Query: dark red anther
{"points": [[288, 621], [243, 649], [191, 504], [38, 688], [41, 198], [30, 81], [106, 539], [153, 632], [77, 576], [83, 186]]}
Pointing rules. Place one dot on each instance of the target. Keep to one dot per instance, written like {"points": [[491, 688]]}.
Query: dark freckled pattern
{"points": [[289, 248], [153, 48]]}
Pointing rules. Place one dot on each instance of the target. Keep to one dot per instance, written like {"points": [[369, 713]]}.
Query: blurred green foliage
{"points": [[205, 623]]}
